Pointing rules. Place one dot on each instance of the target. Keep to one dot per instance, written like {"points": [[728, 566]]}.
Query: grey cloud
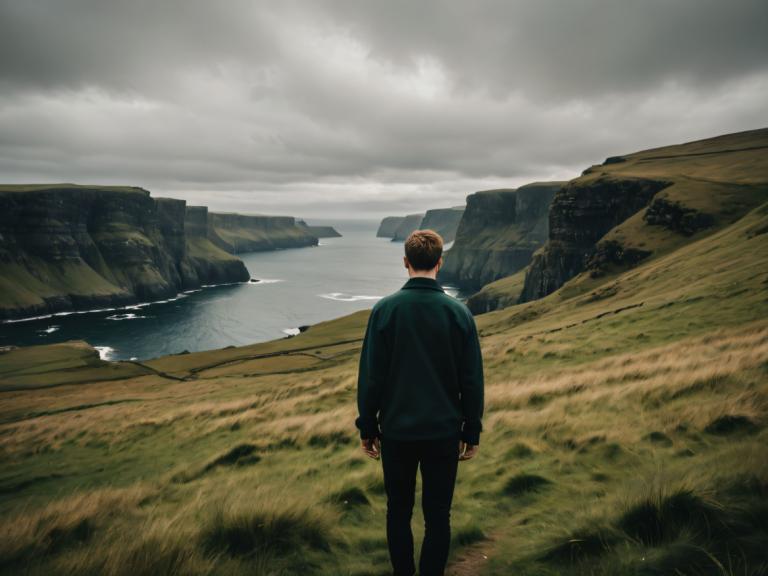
{"points": [[363, 107]]}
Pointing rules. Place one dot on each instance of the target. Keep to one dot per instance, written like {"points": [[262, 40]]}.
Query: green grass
{"points": [[625, 433]]}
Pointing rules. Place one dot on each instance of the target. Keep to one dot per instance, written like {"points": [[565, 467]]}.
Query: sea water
{"points": [[296, 287]]}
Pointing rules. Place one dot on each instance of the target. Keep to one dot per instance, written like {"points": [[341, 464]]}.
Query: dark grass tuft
{"points": [[657, 437], [241, 455], [330, 439], [578, 546], [467, 535], [520, 450], [731, 424], [524, 483], [64, 536], [539, 399], [281, 444], [353, 496], [253, 533], [612, 451], [680, 557], [662, 518]]}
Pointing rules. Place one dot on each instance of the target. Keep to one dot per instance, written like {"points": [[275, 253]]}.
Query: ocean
{"points": [[298, 286]]}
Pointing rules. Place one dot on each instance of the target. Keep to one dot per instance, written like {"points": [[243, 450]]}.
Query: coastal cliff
{"points": [[237, 233], [319, 231], [66, 247], [211, 263], [642, 205], [444, 221], [581, 213], [409, 223], [388, 226], [498, 234]]}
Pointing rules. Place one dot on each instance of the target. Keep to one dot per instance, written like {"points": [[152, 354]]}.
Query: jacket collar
{"points": [[422, 282]]}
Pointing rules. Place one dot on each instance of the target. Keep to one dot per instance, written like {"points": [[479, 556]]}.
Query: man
{"points": [[420, 401]]}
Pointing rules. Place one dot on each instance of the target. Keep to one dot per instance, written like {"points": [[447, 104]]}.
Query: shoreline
{"points": [[136, 306]]}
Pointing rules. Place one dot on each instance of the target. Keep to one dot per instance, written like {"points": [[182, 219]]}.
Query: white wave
{"points": [[291, 331], [105, 352], [126, 316], [222, 284], [342, 297], [266, 281], [128, 306], [49, 330], [28, 319]]}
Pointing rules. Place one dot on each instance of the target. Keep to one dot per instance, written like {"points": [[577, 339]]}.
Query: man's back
{"points": [[421, 366], [421, 380]]}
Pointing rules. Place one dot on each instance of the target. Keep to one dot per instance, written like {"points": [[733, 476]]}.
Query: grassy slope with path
{"points": [[625, 433]]}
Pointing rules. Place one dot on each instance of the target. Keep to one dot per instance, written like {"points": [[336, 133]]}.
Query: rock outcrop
{"points": [[211, 263], [319, 231], [409, 223], [444, 221], [238, 233], [67, 247], [581, 213], [498, 234], [388, 226], [635, 206]]}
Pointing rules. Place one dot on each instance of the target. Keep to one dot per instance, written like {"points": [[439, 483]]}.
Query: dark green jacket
{"points": [[421, 369]]}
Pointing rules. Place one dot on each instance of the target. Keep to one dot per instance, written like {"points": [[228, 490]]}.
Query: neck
{"points": [[432, 275]]}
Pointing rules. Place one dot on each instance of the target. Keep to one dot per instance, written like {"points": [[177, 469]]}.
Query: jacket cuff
{"points": [[471, 438], [368, 428]]}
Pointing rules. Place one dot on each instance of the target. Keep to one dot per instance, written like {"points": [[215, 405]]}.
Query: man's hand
{"points": [[467, 451], [372, 447]]}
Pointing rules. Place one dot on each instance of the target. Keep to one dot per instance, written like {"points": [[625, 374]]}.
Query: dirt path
{"points": [[471, 561]]}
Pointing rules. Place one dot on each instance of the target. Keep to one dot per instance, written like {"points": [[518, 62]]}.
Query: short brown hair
{"points": [[423, 249]]}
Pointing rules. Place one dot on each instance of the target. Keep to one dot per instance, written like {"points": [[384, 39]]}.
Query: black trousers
{"points": [[438, 460]]}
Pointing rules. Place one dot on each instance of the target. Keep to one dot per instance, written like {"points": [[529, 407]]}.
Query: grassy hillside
{"points": [[644, 205], [625, 433], [498, 294]]}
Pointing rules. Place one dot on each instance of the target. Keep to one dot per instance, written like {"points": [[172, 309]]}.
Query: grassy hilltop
{"points": [[625, 432]]}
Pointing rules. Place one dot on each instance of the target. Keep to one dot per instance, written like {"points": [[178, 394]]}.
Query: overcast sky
{"points": [[364, 108]]}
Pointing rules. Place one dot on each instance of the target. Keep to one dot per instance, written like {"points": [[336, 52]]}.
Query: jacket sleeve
{"points": [[371, 376], [472, 385]]}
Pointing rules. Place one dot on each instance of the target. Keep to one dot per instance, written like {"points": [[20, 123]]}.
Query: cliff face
{"points": [[498, 234], [444, 221], [64, 247], [409, 223], [581, 213], [237, 233], [319, 231], [388, 226], [210, 263], [645, 204]]}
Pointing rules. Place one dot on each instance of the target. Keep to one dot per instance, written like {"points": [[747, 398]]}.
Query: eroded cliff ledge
{"points": [[498, 234], [642, 205], [444, 221], [581, 213], [388, 226], [67, 247], [238, 233]]}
